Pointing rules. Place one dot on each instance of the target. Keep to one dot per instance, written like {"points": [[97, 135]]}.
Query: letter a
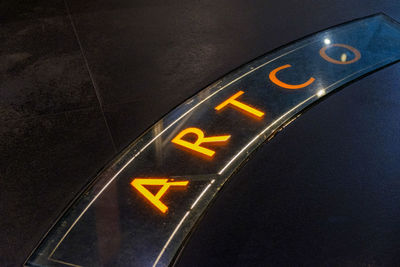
{"points": [[138, 183]]}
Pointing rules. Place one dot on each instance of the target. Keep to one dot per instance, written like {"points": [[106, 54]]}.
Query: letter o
{"points": [[357, 54]]}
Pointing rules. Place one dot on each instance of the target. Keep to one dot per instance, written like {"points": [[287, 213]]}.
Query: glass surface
{"points": [[141, 207]]}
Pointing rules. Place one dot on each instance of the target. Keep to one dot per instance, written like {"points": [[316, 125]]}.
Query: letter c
{"points": [[272, 77]]}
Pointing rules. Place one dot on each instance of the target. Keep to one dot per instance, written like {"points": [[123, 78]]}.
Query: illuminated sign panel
{"points": [[162, 183]]}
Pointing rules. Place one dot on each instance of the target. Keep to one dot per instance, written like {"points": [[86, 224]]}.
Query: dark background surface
{"points": [[82, 79], [327, 192]]}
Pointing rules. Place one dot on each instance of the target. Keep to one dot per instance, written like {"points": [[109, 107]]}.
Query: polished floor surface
{"points": [[80, 80]]}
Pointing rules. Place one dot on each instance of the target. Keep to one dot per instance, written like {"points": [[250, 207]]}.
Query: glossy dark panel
{"points": [[13, 10], [146, 53], [145, 50], [150, 49], [214, 38], [327, 194], [128, 120], [149, 227], [41, 69], [53, 137], [45, 162]]}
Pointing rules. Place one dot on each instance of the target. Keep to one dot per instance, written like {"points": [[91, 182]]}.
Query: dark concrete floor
{"points": [[82, 79]]}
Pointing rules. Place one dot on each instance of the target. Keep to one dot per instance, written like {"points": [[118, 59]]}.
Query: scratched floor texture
{"points": [[79, 80]]}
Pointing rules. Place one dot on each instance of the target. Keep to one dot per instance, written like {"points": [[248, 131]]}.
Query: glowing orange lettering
{"points": [[200, 140], [138, 183], [272, 77], [232, 100], [357, 54]]}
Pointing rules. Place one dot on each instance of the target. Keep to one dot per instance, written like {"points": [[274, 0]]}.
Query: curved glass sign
{"points": [[140, 209]]}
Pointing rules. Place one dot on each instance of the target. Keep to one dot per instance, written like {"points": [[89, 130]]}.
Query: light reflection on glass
{"points": [[327, 41], [146, 236]]}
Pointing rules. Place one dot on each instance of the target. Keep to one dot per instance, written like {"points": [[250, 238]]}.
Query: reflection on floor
{"points": [[82, 79]]}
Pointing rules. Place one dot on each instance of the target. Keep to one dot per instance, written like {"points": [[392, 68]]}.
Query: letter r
{"points": [[196, 146]]}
